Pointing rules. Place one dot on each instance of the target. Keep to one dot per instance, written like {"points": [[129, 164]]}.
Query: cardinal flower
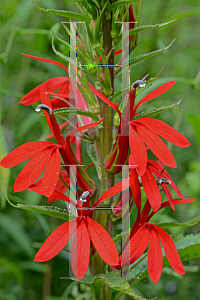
{"points": [[45, 156], [51, 85], [144, 233], [84, 229]]}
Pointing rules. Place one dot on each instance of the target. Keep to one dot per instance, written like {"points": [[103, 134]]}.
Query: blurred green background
{"points": [[24, 29]]}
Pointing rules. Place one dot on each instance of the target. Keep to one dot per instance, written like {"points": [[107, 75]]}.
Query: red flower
{"points": [[45, 154], [151, 185], [143, 232], [154, 235], [84, 228]]}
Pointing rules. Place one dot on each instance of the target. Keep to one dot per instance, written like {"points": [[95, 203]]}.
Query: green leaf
{"points": [[15, 231], [188, 247], [46, 210], [113, 280], [63, 13], [142, 28], [155, 111], [80, 112], [140, 58], [174, 224], [4, 172]]}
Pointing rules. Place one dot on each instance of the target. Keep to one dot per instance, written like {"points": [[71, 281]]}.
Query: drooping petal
{"points": [[138, 150], [51, 173], [32, 170], [170, 250], [83, 128], [23, 153], [169, 195], [156, 145], [155, 260], [51, 85], [151, 189], [157, 92], [156, 169], [167, 203], [166, 131], [135, 188], [137, 246], [56, 241], [46, 60], [106, 100], [80, 252], [103, 242], [117, 188]]}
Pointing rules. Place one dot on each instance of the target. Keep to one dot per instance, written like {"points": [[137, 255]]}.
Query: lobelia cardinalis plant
{"points": [[118, 139]]}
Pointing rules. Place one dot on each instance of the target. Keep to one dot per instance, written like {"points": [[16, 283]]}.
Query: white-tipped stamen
{"points": [[44, 107], [139, 83], [84, 196]]}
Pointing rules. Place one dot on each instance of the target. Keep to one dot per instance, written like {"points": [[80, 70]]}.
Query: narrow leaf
{"points": [[63, 13]]}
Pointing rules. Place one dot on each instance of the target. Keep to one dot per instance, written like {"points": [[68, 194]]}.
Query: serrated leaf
{"points": [[175, 224], [46, 210], [4, 172], [188, 247], [140, 58], [113, 280], [155, 111], [143, 28], [63, 13], [67, 110]]}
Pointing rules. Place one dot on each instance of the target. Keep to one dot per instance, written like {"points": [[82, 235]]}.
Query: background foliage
{"points": [[24, 29]]}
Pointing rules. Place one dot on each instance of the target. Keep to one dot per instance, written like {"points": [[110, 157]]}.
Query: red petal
{"points": [[151, 189], [103, 242], [80, 252], [106, 100], [175, 201], [166, 131], [138, 150], [169, 196], [157, 92], [156, 145], [84, 127], [117, 188], [170, 250], [61, 127], [51, 173], [156, 169], [155, 260], [51, 85], [137, 246], [135, 188], [32, 170], [23, 153], [46, 60], [56, 241]]}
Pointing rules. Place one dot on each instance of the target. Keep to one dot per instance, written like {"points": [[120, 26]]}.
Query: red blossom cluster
{"points": [[143, 136]]}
